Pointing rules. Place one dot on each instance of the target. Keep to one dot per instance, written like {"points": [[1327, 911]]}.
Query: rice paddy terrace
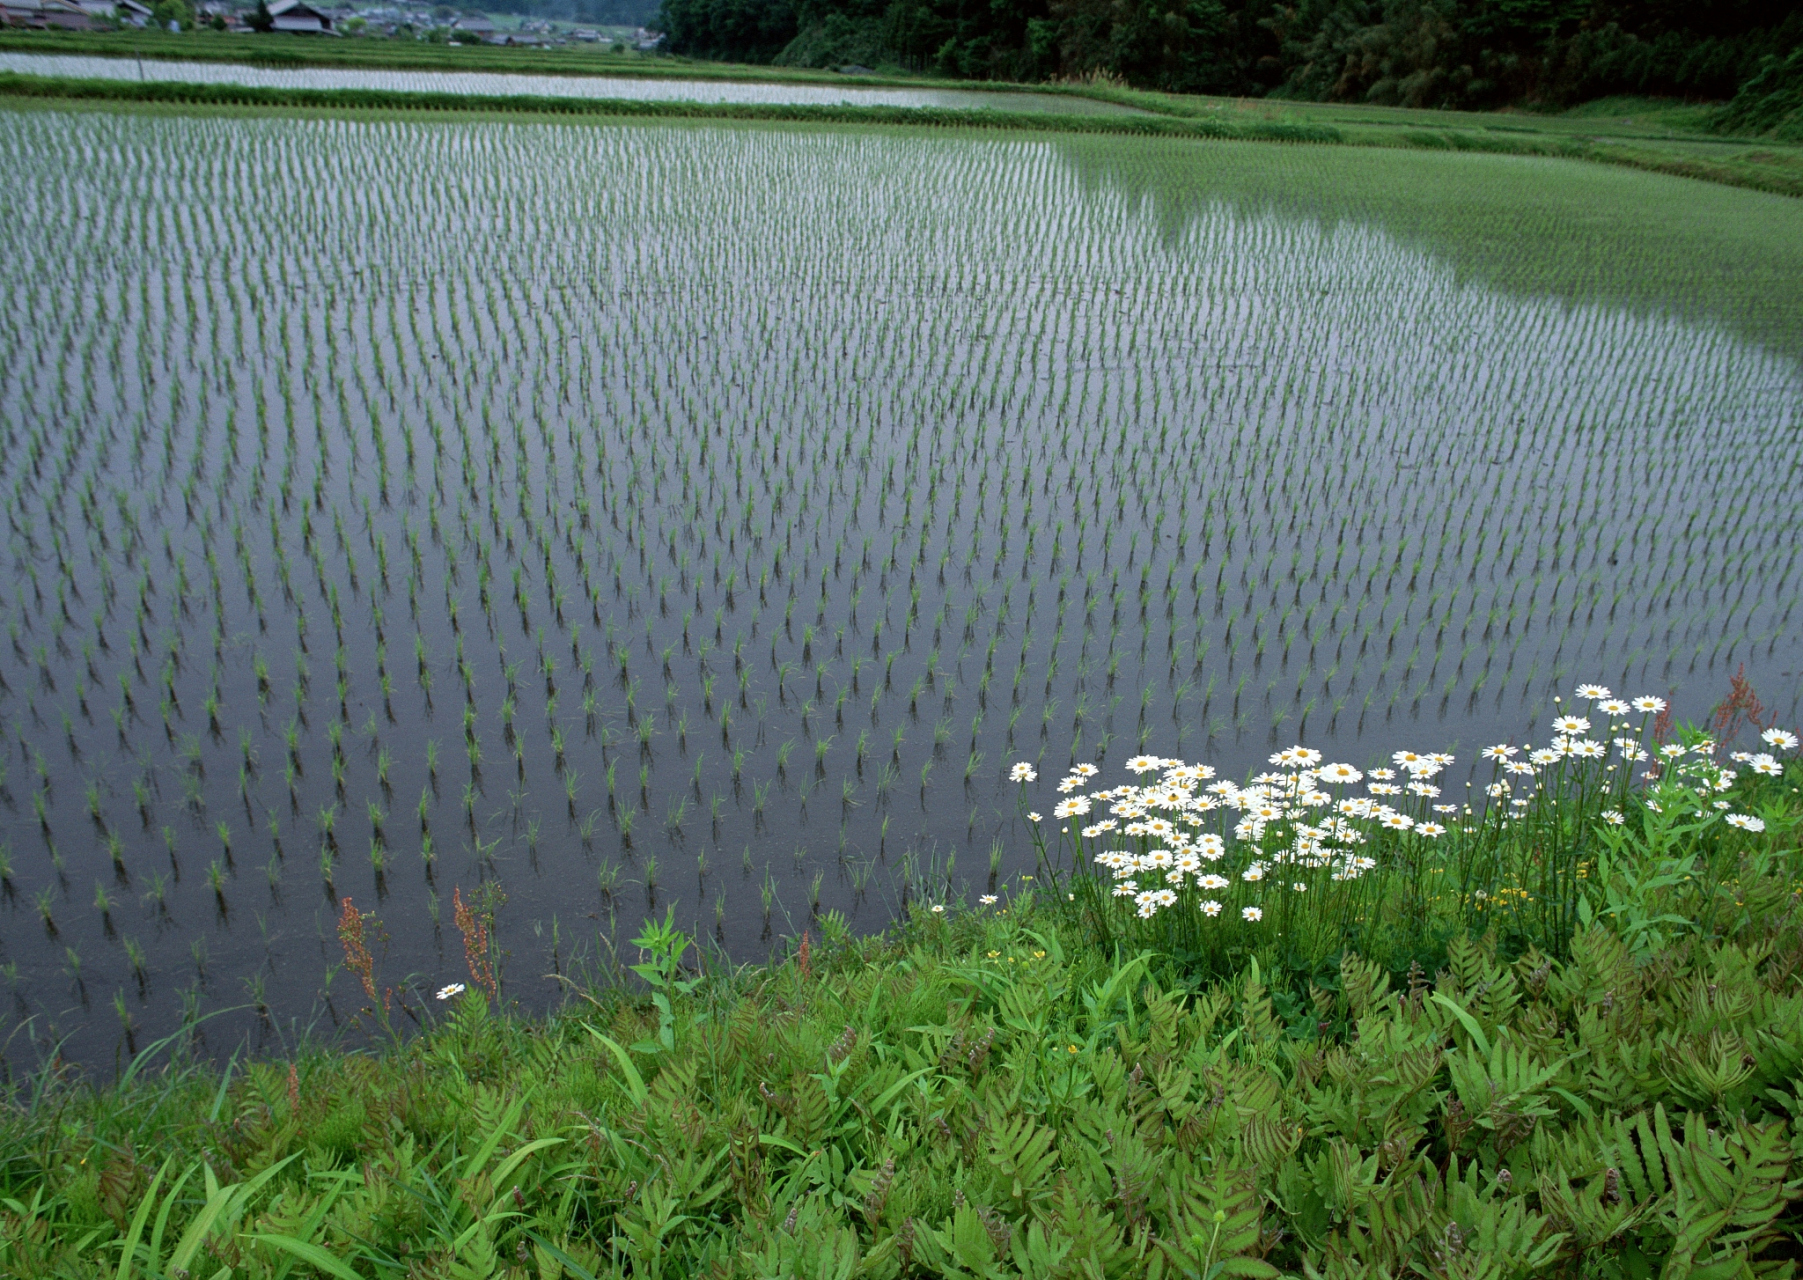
{"points": [[661, 514]]}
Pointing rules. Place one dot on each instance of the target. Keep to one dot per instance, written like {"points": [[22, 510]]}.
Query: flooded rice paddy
{"points": [[645, 516], [631, 88]]}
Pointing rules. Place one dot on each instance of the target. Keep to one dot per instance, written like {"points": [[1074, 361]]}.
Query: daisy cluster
{"points": [[1304, 804], [1574, 740], [1695, 780], [1305, 815], [1692, 766]]}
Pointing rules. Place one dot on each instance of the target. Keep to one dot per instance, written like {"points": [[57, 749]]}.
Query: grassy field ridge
{"points": [[990, 1093]]}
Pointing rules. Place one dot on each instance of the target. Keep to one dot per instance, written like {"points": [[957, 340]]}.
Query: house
{"points": [[104, 12], [208, 14], [477, 25], [298, 17], [65, 15]]}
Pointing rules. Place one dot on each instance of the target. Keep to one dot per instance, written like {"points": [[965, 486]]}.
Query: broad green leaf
{"points": [[635, 1083], [137, 1222], [1470, 1023], [514, 1161], [313, 1255]]}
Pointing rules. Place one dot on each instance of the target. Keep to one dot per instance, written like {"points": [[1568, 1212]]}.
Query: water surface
{"points": [[706, 517]]}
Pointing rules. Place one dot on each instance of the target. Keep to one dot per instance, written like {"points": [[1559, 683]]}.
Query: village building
{"points": [[479, 26], [299, 18], [65, 15]]}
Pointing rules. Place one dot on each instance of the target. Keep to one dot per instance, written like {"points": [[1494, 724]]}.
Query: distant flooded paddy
{"points": [[630, 88]]}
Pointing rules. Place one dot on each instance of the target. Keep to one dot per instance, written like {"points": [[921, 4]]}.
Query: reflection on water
{"points": [[637, 89], [1567, 230], [698, 516]]}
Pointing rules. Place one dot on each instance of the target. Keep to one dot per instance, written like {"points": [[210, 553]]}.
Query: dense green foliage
{"points": [[1445, 53], [1771, 102], [991, 1094]]}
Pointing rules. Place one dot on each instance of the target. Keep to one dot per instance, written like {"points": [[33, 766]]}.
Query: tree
{"points": [[179, 12]]}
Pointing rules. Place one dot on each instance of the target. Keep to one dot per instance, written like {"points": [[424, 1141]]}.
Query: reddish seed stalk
{"points": [[475, 944], [356, 954]]}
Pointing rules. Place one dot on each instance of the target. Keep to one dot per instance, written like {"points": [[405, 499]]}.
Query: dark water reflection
{"points": [[1584, 234]]}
